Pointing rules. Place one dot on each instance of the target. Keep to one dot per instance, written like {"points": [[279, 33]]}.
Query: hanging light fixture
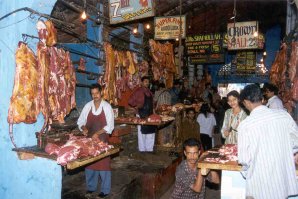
{"points": [[84, 15], [233, 40], [135, 30], [148, 26]]}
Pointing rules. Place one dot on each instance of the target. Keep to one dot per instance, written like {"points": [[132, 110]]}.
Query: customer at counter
{"points": [[273, 101], [232, 119], [190, 128], [97, 121], [267, 141], [142, 100], [190, 184], [207, 124]]}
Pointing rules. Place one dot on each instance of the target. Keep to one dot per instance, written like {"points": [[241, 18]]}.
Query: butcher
{"points": [[271, 92], [97, 121], [142, 100], [267, 142]]}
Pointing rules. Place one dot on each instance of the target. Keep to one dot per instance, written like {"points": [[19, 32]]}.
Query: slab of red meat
{"points": [[51, 38], [77, 147], [294, 89], [52, 149], [293, 63], [154, 118], [67, 154], [43, 61], [23, 102]]}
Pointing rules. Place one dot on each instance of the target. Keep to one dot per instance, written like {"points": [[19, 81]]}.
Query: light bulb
{"points": [[265, 53], [84, 16], [262, 60], [148, 26], [135, 31], [256, 34], [177, 39]]}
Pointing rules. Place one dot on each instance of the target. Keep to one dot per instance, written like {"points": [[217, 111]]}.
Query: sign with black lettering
{"points": [[241, 35], [128, 10], [205, 48], [169, 27], [246, 61]]}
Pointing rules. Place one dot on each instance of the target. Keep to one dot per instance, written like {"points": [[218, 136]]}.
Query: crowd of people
{"points": [[255, 120]]}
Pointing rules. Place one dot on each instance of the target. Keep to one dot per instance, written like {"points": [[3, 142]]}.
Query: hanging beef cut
{"points": [[24, 100], [293, 63]]}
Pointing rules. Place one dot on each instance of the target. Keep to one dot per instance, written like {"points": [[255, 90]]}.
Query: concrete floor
{"points": [[126, 174]]}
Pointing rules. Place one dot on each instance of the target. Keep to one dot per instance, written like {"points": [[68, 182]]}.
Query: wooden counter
{"points": [[26, 153], [117, 121], [229, 166]]}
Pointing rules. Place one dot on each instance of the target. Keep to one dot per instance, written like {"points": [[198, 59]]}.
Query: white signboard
{"points": [[169, 27], [128, 10], [241, 35]]}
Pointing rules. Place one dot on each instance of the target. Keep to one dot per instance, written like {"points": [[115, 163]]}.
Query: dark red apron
{"points": [[96, 123]]}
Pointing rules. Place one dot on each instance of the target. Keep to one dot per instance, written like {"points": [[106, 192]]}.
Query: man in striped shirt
{"points": [[267, 142]]}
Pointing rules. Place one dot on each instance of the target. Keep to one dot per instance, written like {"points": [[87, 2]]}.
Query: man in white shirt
{"points": [[271, 92], [267, 142], [97, 121]]}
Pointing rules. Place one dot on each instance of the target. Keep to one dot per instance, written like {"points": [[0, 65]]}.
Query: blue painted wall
{"points": [[26, 179]]}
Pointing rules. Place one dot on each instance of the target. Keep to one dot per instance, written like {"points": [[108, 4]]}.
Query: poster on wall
{"points": [[127, 10], [166, 28], [241, 36], [205, 48], [246, 61]]}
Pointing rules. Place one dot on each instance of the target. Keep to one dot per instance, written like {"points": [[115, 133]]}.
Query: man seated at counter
{"points": [[267, 142], [97, 121], [190, 183]]}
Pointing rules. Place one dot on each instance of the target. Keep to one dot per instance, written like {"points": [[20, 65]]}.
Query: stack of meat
{"points": [[44, 84], [77, 147], [283, 74], [226, 153], [122, 72], [163, 64]]}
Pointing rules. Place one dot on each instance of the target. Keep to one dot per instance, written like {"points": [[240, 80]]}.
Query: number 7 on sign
{"points": [[115, 6]]}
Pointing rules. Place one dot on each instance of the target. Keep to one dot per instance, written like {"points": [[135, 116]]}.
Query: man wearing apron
{"points": [[97, 121], [142, 101]]}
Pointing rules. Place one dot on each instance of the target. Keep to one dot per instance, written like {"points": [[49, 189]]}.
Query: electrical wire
{"points": [[15, 22], [7, 46]]}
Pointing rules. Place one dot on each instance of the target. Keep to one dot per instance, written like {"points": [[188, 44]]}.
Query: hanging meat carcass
{"points": [[70, 78], [294, 89], [109, 93], [293, 63], [24, 100], [43, 61], [82, 65], [51, 38], [279, 66], [131, 68]]}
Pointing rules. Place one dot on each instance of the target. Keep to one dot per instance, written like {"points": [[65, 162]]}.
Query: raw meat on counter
{"points": [[154, 118], [226, 153], [77, 147]]}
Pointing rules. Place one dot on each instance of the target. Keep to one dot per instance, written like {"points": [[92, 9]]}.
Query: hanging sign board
{"points": [[205, 48], [166, 28], [241, 36], [128, 10], [246, 61]]}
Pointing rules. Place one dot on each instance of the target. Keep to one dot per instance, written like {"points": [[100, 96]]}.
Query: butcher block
{"points": [[25, 153]]}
